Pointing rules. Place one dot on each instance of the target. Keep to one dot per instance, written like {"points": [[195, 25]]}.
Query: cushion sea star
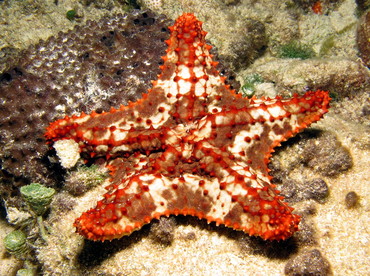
{"points": [[190, 146]]}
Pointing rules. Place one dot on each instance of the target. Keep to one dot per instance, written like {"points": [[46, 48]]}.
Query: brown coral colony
{"points": [[68, 73]]}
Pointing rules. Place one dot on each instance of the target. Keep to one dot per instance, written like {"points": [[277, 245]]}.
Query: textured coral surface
{"points": [[81, 70]]}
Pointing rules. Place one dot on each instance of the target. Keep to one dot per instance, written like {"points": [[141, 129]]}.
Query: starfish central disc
{"points": [[190, 146]]}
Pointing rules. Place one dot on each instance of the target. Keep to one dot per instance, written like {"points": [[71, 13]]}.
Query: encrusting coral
{"points": [[68, 73]]}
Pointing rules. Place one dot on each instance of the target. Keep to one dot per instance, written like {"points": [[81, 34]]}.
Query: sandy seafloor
{"points": [[342, 234]]}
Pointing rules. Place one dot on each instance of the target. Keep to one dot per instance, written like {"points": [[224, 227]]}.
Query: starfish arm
{"points": [[250, 133], [147, 195], [230, 194], [189, 77], [138, 126], [255, 206]]}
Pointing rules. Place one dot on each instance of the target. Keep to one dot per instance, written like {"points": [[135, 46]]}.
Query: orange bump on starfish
{"points": [[190, 146]]}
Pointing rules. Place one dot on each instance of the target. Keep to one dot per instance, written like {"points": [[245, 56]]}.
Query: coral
{"points": [[308, 263], [363, 38], [123, 256], [68, 153], [68, 73]]}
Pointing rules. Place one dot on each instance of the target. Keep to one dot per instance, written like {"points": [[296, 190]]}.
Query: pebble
{"points": [[351, 200]]}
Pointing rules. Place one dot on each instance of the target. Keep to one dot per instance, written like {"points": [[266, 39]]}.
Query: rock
{"points": [[342, 76], [308, 263], [163, 230], [326, 155], [249, 43], [295, 191], [315, 189], [307, 233], [351, 200]]}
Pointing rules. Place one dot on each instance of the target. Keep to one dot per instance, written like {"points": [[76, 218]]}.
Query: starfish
{"points": [[190, 146]]}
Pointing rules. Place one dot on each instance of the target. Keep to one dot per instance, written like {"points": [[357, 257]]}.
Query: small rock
{"points": [[307, 233], [308, 263], [290, 191], [351, 200], [316, 189], [326, 155], [190, 236], [163, 230], [295, 191]]}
